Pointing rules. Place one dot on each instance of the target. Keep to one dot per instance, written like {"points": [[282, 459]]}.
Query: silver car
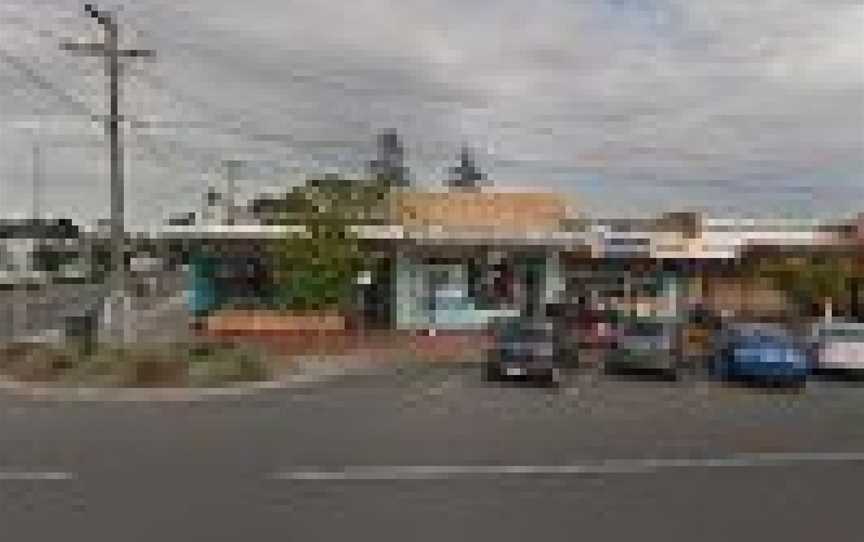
{"points": [[646, 345], [839, 347]]}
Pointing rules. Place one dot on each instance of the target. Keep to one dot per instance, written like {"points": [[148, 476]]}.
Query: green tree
{"points": [[811, 281], [317, 271]]}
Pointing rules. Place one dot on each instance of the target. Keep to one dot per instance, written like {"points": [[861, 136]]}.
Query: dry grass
{"points": [[178, 365]]}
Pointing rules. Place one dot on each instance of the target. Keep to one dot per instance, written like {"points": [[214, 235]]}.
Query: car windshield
{"points": [[760, 331], [846, 334], [759, 341], [646, 329], [525, 330]]}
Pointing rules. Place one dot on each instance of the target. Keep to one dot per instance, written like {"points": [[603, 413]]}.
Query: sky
{"points": [[631, 107]]}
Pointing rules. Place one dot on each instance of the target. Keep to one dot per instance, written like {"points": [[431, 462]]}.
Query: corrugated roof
{"points": [[508, 211]]}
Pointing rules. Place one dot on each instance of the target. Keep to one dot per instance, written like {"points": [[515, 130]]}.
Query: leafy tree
{"points": [[317, 271], [811, 280]]}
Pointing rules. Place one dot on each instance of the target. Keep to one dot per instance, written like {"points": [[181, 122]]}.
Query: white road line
{"points": [[610, 466], [36, 476]]}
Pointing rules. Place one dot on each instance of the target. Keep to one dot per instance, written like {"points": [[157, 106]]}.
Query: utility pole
{"points": [[36, 186], [232, 168], [37, 179], [110, 51]]}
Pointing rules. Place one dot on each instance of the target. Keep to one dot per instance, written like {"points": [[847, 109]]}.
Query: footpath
{"points": [[298, 359]]}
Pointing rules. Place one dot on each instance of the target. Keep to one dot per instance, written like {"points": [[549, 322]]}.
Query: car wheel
{"points": [[550, 379], [673, 375], [798, 385], [492, 372], [690, 370]]}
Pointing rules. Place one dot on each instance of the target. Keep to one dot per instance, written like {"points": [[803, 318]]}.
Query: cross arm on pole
{"points": [[99, 49], [109, 50], [148, 53], [90, 49]]}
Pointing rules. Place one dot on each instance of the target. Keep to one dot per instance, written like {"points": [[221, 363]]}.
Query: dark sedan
{"points": [[524, 348], [647, 345]]}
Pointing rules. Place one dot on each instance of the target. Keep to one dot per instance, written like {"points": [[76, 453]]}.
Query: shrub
{"points": [[214, 365]]}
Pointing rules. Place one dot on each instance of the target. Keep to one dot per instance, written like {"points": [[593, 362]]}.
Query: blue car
{"points": [[762, 353]]}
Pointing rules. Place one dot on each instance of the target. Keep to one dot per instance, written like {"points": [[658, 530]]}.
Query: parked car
{"points": [[839, 347], [765, 353], [596, 328], [699, 334], [523, 347], [648, 345], [569, 330]]}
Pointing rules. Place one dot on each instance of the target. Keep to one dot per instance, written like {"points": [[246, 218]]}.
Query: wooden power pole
{"points": [[109, 50], [37, 180], [232, 168]]}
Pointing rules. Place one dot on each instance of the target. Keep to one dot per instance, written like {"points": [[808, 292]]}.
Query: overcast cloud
{"points": [[631, 106]]}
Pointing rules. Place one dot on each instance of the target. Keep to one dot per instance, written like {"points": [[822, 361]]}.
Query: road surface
{"points": [[440, 455]]}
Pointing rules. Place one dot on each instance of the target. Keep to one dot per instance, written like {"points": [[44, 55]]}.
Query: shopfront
{"points": [[461, 288]]}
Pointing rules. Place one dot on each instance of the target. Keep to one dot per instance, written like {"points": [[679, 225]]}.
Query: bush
{"points": [[32, 363], [214, 365]]}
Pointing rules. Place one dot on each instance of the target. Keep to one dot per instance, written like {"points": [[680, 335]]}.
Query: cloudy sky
{"points": [[631, 106]]}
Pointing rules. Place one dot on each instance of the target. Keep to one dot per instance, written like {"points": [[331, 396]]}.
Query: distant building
{"points": [[222, 209], [182, 219], [33, 246]]}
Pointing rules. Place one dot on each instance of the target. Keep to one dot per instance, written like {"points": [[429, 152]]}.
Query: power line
{"points": [[175, 149], [235, 122], [44, 84], [156, 149]]}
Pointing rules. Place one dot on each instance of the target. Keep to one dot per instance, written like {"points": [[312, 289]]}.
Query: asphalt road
{"points": [[441, 455]]}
